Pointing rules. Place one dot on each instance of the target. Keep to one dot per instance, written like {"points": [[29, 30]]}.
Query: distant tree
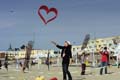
{"points": [[22, 47]]}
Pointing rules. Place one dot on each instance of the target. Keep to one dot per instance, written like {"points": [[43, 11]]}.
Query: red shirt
{"points": [[104, 56]]}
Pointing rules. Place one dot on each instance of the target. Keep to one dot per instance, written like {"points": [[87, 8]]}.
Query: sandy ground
{"points": [[91, 73]]}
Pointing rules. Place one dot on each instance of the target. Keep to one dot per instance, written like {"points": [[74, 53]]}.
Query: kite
{"points": [[85, 42], [27, 55], [48, 10]]}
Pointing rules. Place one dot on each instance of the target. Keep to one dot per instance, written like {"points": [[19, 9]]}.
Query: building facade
{"points": [[34, 54], [96, 44]]}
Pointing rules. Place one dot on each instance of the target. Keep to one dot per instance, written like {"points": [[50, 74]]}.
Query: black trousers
{"points": [[66, 71], [0, 66], [83, 67]]}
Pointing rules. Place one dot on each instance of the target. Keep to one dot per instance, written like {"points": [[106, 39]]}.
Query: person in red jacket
{"points": [[104, 60]]}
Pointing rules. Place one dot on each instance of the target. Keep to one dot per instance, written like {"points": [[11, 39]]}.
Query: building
{"points": [[34, 54], [2, 55], [96, 44]]}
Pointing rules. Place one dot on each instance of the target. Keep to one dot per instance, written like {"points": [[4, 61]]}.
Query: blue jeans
{"points": [[103, 65], [66, 71]]}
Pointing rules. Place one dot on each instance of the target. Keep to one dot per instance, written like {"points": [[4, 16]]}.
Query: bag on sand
{"points": [[54, 78], [40, 78]]}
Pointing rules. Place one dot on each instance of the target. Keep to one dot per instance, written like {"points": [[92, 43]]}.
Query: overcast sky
{"points": [[19, 21]]}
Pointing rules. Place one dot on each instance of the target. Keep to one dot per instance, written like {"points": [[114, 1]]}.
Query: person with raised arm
{"points": [[104, 60], [66, 56]]}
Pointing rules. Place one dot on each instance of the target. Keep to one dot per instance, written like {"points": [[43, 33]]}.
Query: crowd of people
{"points": [[66, 55]]}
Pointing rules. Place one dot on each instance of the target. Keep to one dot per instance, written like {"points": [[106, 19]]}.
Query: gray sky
{"points": [[19, 21]]}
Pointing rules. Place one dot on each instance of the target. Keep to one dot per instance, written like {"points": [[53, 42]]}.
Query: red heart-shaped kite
{"points": [[44, 7]]}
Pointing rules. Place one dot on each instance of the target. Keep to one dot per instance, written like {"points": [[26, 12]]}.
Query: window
{"points": [[95, 46], [99, 45], [92, 41], [110, 44], [105, 44], [97, 41], [90, 46], [73, 49], [102, 40]]}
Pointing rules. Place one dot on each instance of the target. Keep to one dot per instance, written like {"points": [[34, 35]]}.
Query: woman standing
{"points": [[66, 56]]}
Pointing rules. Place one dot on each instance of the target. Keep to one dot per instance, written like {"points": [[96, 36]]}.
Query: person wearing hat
{"points": [[66, 56]]}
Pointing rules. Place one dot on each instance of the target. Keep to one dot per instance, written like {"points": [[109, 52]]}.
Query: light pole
{"points": [[75, 53], [93, 51]]}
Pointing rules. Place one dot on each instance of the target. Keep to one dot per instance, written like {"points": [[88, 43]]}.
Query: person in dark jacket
{"points": [[66, 56], [0, 64], [6, 62], [83, 65], [6, 65]]}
